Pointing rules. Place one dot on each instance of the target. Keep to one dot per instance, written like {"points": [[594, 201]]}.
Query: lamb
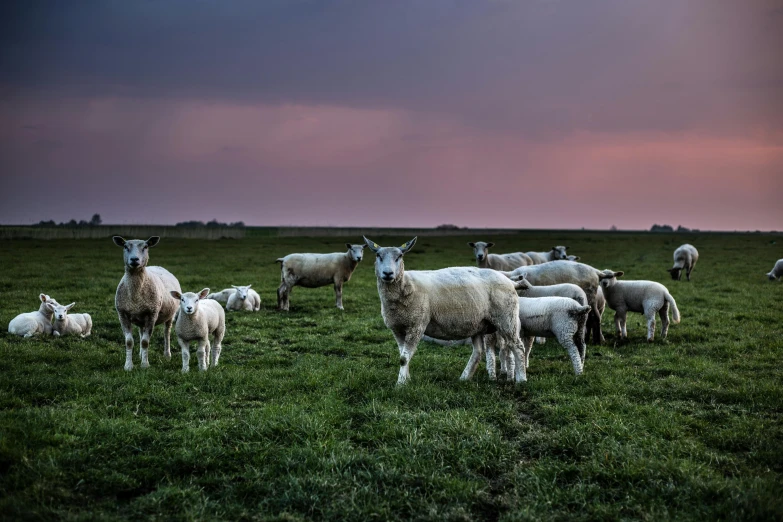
{"points": [[498, 261], [223, 295], [646, 297], [777, 270], [584, 276], [316, 270], [244, 298], [64, 323], [34, 323], [142, 298], [557, 253], [685, 257], [450, 304], [198, 318], [600, 304]]}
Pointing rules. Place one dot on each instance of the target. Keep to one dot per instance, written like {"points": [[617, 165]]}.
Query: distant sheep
{"points": [[644, 297], [64, 323], [556, 254], [34, 323], [777, 271], [244, 298], [497, 261], [222, 296], [316, 270], [198, 319], [685, 258]]}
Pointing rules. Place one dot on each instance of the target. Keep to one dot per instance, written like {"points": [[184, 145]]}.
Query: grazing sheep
{"points": [[498, 261], [644, 297], [244, 298], [142, 298], [777, 270], [600, 305], [316, 270], [450, 304], [584, 276], [222, 296], [685, 257], [197, 319], [34, 323], [64, 323], [556, 254]]}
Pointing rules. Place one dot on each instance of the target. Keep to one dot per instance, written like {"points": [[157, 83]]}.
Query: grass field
{"points": [[303, 420]]}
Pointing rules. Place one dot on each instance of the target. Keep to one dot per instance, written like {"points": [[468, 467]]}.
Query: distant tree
{"points": [[681, 228], [96, 220], [613, 228], [240, 224], [447, 226], [661, 228]]}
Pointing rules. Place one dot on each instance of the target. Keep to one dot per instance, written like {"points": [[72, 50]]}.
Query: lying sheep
{"points": [[556, 254], [450, 304], [777, 270], [244, 298], [498, 261], [142, 298], [222, 296], [64, 323], [573, 258], [34, 323], [197, 319], [685, 257], [600, 305], [316, 270], [644, 297]]}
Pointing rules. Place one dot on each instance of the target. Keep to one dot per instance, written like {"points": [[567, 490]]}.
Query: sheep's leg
{"points": [[527, 344], [566, 341], [145, 333], [649, 314], [520, 360], [167, 339], [407, 345], [201, 353], [664, 313], [541, 340], [489, 342], [127, 329], [475, 357], [688, 273], [282, 297], [217, 344], [338, 295], [185, 347]]}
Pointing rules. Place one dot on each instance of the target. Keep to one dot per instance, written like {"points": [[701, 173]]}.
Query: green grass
{"points": [[303, 420]]}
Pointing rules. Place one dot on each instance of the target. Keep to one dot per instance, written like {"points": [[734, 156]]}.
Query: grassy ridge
{"points": [[302, 419]]}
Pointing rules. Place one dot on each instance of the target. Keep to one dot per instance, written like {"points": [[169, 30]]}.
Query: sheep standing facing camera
{"points": [[198, 319]]}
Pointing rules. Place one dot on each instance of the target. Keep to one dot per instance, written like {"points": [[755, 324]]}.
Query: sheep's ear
{"points": [[176, 295], [68, 307], [524, 275], [577, 258], [203, 294], [472, 244], [249, 286], [566, 248], [602, 275], [151, 242], [363, 246], [372, 244], [43, 297], [490, 245], [408, 245], [119, 241], [350, 246], [235, 287], [618, 274], [554, 248]]}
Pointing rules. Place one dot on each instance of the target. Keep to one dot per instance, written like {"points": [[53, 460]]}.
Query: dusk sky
{"points": [[497, 113]]}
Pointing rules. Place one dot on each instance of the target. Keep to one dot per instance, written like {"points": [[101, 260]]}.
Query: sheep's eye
{"points": [[399, 258]]}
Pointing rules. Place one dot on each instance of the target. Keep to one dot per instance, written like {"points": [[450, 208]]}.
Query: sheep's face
{"points": [[241, 291], [356, 252], [608, 278], [675, 272], [389, 266], [188, 302], [771, 276], [480, 250], [559, 252], [59, 312], [136, 251]]}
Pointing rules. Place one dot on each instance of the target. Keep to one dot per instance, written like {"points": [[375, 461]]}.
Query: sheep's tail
{"points": [[675, 310], [579, 310]]}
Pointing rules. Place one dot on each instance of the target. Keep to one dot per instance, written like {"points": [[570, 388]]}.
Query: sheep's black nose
{"points": [[387, 275]]}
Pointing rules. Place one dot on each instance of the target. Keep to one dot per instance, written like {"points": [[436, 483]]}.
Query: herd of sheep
{"points": [[499, 307]]}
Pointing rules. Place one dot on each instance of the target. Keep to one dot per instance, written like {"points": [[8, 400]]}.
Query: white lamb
{"points": [[556, 254], [199, 318], [316, 270], [644, 297], [600, 305], [497, 261], [685, 257], [777, 270], [222, 296], [244, 298], [450, 304], [34, 323], [64, 323], [142, 298]]}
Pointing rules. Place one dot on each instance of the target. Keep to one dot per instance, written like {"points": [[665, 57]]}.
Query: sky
{"points": [[496, 113]]}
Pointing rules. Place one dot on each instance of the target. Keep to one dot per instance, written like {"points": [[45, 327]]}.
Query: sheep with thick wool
{"points": [[497, 261], [449, 304], [685, 258], [30, 324], [64, 323], [644, 297], [198, 319]]}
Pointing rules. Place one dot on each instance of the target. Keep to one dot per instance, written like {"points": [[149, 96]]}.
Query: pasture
{"points": [[302, 420]]}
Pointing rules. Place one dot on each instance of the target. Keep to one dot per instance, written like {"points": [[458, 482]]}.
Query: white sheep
{"points": [[556, 254], [685, 258], [244, 298], [600, 306], [142, 298], [497, 261], [34, 323], [222, 296], [64, 323], [568, 290], [449, 304], [198, 319], [777, 270], [644, 297], [316, 270], [573, 258]]}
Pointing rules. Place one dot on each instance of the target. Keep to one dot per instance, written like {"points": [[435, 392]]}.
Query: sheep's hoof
{"points": [[185, 370], [128, 367], [167, 355], [340, 308], [145, 364]]}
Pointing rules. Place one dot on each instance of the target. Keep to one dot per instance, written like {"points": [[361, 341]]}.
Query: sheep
{"points": [[142, 298], [584, 276], [645, 297], [557, 253], [685, 257], [64, 323], [34, 323], [777, 270], [197, 319], [222, 296], [572, 258], [600, 305], [498, 261], [450, 304], [316, 270], [244, 298]]}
